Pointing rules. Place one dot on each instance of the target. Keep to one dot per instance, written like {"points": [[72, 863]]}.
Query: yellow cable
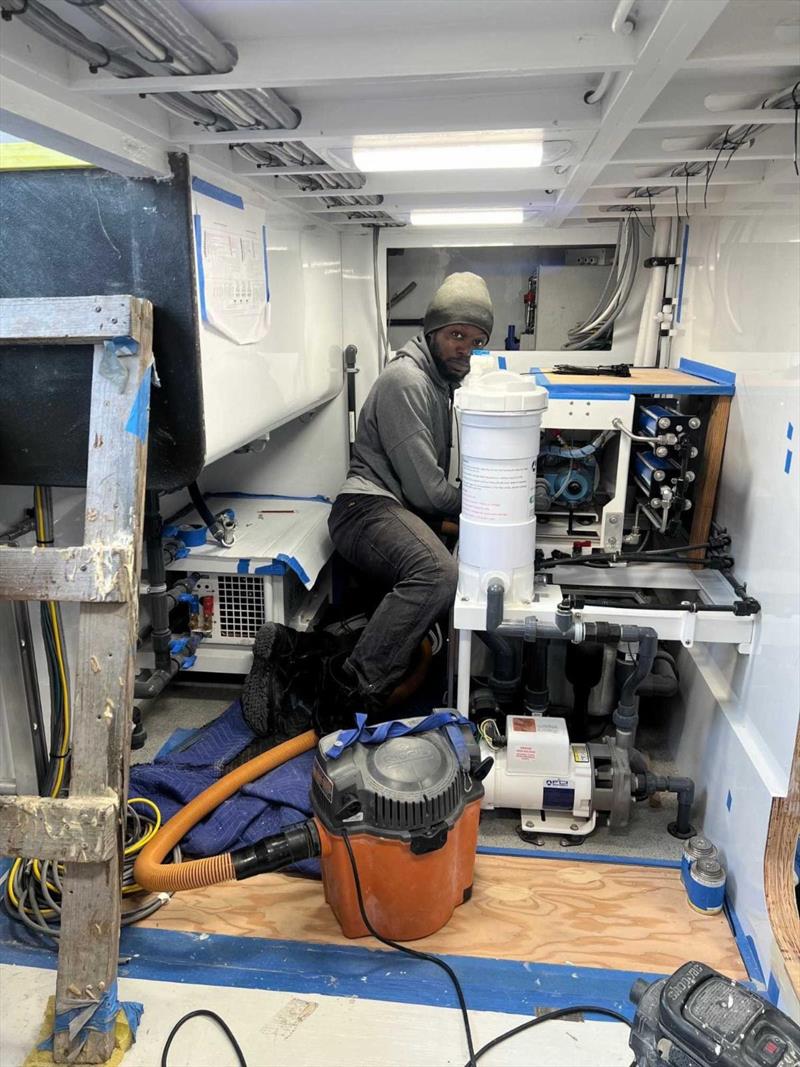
{"points": [[67, 717]]}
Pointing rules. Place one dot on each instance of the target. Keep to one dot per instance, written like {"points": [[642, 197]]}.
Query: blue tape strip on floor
{"points": [[586, 857], [508, 986]]}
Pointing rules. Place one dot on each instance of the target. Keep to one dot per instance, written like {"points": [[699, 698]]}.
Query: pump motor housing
{"points": [[410, 808]]}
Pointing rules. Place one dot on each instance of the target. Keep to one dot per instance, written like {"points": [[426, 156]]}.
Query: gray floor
{"points": [[194, 705]]}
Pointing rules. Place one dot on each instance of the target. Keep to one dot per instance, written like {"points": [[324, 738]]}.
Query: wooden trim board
{"points": [[782, 836], [598, 915], [660, 378]]}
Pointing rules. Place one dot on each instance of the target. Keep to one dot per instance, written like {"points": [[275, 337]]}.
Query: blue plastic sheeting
{"points": [[263, 807]]}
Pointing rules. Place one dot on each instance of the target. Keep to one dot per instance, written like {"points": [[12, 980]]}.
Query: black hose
{"points": [[200, 505], [157, 579], [505, 677]]}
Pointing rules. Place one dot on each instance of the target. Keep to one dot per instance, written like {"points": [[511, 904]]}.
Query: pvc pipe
{"points": [[620, 23], [594, 96], [464, 658], [647, 339]]}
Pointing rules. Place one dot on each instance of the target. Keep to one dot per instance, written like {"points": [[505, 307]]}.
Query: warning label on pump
{"points": [[500, 491], [580, 754]]}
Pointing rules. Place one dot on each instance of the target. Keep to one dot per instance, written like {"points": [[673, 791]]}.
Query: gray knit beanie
{"points": [[460, 298]]}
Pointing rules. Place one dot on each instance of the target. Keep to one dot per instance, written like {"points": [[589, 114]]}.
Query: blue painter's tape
{"points": [[271, 496], [243, 566], [350, 971], [682, 272], [103, 1018], [274, 569], [295, 566], [266, 260], [199, 185], [140, 410], [586, 857], [729, 800], [718, 375], [501, 362], [201, 276], [773, 992], [787, 464], [746, 945]]}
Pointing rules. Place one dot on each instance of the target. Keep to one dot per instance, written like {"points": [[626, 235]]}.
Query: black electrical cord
{"points": [[426, 957], [557, 1013], [206, 1013]]}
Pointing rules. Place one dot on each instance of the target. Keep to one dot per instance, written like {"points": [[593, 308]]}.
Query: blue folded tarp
{"points": [[261, 808]]}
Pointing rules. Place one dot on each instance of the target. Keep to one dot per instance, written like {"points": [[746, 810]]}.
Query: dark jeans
{"points": [[394, 548]]}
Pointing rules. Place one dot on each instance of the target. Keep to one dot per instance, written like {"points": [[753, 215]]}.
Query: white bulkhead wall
{"points": [[740, 311]]}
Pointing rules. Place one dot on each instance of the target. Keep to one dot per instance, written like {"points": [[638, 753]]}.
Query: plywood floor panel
{"points": [[537, 910]]}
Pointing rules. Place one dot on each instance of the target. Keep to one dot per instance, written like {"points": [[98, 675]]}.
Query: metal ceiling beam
{"points": [[650, 147], [523, 182], [679, 29], [441, 53], [742, 117], [339, 121], [741, 175]]}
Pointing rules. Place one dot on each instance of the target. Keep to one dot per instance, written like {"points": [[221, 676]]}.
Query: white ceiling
{"points": [[689, 70]]}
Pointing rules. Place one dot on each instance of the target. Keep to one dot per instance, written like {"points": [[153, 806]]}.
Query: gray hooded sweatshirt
{"points": [[403, 441]]}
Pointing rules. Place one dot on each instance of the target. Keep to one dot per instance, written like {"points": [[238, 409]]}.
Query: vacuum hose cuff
{"points": [[295, 843]]}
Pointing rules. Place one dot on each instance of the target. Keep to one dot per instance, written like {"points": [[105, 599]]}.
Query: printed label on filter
{"points": [[497, 490]]}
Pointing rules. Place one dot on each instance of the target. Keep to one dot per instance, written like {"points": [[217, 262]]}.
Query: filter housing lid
{"points": [[501, 391]]}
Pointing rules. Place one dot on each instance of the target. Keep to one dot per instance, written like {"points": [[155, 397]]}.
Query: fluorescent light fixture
{"points": [[481, 150], [505, 217], [474, 244]]}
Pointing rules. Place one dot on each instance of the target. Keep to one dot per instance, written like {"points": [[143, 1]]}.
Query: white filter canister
{"points": [[500, 418]]}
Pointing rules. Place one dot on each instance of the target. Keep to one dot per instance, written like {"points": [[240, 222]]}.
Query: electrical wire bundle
{"points": [[595, 331], [34, 887], [163, 33], [56, 655], [734, 138]]}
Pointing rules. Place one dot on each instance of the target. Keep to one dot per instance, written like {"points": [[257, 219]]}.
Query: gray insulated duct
{"points": [[164, 33]]}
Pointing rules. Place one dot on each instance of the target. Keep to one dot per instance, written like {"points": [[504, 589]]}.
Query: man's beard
{"points": [[446, 372]]}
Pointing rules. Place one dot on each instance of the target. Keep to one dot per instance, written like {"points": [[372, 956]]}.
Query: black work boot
{"points": [[342, 698]]}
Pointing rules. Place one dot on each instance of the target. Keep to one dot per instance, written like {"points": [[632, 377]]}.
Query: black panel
{"points": [[86, 232]]}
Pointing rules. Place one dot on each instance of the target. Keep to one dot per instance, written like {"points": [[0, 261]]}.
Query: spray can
{"points": [[705, 885], [696, 848]]}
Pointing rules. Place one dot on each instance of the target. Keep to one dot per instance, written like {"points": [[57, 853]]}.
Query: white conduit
{"points": [[647, 340], [620, 23]]}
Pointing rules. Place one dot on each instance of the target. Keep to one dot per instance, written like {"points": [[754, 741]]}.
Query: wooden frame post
{"points": [[103, 574]]}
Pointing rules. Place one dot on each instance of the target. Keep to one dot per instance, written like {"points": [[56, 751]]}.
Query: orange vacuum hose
{"points": [[158, 877]]}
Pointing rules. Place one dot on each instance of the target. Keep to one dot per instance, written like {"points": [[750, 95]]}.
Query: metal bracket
{"points": [[688, 626], [661, 261]]}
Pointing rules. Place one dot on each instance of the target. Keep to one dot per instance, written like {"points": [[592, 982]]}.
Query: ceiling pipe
{"points": [[620, 23], [594, 96]]}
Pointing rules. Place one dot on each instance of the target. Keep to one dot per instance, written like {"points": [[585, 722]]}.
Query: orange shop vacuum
{"points": [[396, 809]]}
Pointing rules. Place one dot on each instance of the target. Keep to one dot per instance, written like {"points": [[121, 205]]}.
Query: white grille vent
{"points": [[240, 605]]}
